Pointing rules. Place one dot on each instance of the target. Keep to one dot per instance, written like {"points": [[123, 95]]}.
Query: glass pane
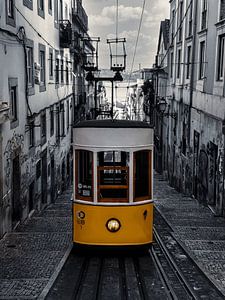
{"points": [[84, 173], [142, 174]]}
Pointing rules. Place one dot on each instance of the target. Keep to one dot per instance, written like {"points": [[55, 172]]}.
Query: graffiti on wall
{"points": [[15, 143]]}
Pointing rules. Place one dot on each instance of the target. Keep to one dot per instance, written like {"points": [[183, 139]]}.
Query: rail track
{"points": [[164, 271]]}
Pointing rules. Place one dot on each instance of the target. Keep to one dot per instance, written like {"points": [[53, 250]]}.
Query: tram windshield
{"points": [[113, 176]]}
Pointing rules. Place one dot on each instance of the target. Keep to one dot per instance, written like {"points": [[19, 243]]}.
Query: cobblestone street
{"points": [[31, 255], [196, 228]]}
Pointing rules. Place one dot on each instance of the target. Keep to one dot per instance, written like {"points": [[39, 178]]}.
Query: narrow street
{"points": [[36, 252]]}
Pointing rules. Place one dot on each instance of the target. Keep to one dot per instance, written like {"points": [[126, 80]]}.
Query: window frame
{"points": [[77, 195], [14, 106], [204, 7], [51, 68], [220, 67], [42, 50], [201, 72], [188, 64], [112, 166], [43, 128], [30, 47], [10, 20], [41, 11], [149, 196], [178, 63], [28, 4]]}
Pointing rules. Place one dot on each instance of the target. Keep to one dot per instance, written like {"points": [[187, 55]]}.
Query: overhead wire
{"points": [[135, 48]]}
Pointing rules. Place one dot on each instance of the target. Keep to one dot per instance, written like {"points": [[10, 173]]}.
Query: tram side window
{"points": [[142, 175], [113, 174], [84, 175]]}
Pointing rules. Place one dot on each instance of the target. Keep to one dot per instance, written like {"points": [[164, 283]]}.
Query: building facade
{"points": [[196, 96], [38, 92]]}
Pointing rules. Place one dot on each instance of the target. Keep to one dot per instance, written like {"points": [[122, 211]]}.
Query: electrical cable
{"points": [[135, 48]]}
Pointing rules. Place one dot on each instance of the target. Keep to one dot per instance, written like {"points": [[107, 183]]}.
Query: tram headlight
{"points": [[113, 225]]}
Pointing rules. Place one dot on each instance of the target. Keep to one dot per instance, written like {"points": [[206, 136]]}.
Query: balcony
{"points": [[4, 112], [65, 33], [79, 14]]}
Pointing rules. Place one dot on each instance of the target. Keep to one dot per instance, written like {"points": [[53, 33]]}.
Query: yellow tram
{"points": [[112, 198]]}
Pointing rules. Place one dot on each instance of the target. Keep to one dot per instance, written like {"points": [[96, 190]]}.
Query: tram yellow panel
{"points": [[89, 224]]}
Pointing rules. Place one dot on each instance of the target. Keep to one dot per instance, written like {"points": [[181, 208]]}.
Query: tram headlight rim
{"points": [[115, 223]]}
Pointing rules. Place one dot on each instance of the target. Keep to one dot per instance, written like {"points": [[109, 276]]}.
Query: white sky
{"points": [[102, 17]]}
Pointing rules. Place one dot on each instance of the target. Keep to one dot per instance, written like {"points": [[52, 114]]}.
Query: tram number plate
{"points": [[81, 222]]}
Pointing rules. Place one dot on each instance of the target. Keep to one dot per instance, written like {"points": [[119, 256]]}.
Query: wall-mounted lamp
{"points": [[161, 107]]}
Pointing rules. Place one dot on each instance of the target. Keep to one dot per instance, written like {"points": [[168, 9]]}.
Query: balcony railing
{"points": [[79, 14], [65, 33]]}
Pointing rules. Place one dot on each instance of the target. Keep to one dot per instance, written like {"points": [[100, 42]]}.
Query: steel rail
{"points": [[174, 267]]}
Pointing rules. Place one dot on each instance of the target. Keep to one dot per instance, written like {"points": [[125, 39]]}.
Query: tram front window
{"points": [[84, 175], [113, 174]]}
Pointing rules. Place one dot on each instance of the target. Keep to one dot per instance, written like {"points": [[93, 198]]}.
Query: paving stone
{"points": [[21, 289], [52, 224], [31, 254]]}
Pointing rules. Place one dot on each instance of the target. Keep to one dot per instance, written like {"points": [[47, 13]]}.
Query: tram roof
{"points": [[109, 123]]}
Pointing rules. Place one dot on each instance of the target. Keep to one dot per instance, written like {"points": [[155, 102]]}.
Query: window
{"points": [[84, 175], [202, 60], [52, 127], [68, 114], [173, 26], [56, 68], [50, 7], [41, 8], [178, 62], [171, 65], [13, 100], [62, 113], [28, 3], [188, 62], [10, 12], [222, 9], [62, 71], [42, 67], [67, 72], [142, 175], [190, 18], [51, 75], [180, 21], [30, 68], [43, 127], [60, 9], [113, 176], [220, 60], [204, 14], [56, 14], [13, 97], [31, 134], [57, 124]]}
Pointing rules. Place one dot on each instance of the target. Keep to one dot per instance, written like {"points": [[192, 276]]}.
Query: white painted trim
{"points": [[113, 203]]}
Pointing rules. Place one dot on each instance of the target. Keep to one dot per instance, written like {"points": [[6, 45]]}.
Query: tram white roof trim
{"points": [[113, 137]]}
